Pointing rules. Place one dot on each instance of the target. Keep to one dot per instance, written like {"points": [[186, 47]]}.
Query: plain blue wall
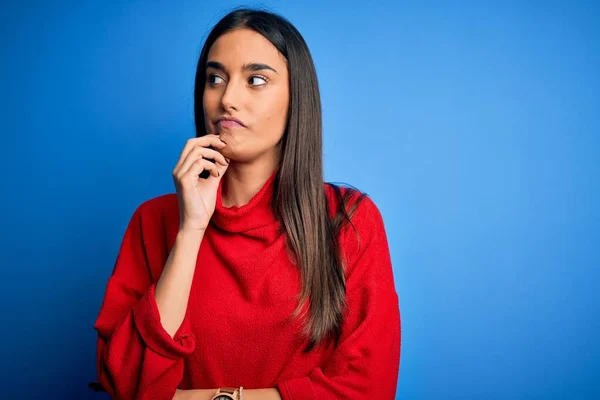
{"points": [[473, 125]]}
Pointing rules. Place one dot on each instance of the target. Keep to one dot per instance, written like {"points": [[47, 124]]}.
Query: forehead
{"points": [[241, 46]]}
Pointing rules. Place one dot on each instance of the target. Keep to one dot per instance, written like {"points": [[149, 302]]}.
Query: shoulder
{"points": [[359, 204], [363, 231], [159, 212], [162, 203], [165, 203]]}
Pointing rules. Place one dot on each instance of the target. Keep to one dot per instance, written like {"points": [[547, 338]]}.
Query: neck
{"points": [[242, 181]]}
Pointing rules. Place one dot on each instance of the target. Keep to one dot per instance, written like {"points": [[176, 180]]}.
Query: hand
{"points": [[197, 196]]}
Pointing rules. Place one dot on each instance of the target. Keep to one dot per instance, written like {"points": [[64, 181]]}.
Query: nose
{"points": [[232, 95]]}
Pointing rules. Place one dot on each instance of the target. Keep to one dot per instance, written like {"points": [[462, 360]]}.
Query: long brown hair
{"points": [[299, 201]]}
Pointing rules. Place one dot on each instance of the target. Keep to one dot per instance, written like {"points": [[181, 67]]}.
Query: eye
{"points": [[262, 78], [210, 79]]}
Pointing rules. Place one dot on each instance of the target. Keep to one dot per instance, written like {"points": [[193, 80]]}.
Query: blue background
{"points": [[473, 125]]}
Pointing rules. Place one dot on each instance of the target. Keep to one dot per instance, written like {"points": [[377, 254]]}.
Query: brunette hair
{"points": [[299, 200]]}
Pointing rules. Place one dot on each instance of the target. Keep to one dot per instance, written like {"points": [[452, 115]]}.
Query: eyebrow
{"points": [[245, 67]]}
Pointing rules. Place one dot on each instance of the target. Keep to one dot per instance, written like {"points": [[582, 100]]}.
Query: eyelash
{"points": [[253, 76]]}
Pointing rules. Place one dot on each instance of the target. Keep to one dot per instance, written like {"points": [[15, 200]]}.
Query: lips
{"points": [[227, 123]]}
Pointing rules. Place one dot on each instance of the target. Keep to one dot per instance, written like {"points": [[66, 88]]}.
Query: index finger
{"points": [[206, 140]]}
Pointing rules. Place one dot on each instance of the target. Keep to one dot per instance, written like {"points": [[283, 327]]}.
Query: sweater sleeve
{"points": [[136, 357], [366, 362]]}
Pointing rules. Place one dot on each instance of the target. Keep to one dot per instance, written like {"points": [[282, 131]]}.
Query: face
{"points": [[247, 79]]}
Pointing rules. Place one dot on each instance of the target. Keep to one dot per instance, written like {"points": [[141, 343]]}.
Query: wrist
{"points": [[191, 233], [227, 393]]}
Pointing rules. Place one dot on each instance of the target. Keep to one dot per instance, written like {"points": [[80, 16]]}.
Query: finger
{"points": [[209, 152], [202, 152], [197, 167], [198, 153], [203, 141]]}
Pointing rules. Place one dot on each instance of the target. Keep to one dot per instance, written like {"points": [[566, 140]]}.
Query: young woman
{"points": [[257, 279]]}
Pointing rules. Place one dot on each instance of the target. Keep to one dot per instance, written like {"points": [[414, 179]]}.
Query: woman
{"points": [[256, 274]]}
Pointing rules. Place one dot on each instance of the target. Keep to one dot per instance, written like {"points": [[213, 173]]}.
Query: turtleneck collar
{"points": [[254, 214]]}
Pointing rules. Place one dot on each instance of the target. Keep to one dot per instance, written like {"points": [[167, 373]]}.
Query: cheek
{"points": [[208, 100], [275, 117], [209, 109]]}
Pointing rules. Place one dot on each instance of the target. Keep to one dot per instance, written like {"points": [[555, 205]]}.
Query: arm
{"points": [[366, 362], [173, 287], [139, 353]]}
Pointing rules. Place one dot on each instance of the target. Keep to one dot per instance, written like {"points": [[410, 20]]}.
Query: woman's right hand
{"points": [[197, 196]]}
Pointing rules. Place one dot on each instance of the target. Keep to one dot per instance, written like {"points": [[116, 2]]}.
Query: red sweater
{"points": [[236, 330]]}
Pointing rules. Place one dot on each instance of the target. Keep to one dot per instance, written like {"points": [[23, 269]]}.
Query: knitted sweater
{"points": [[237, 329]]}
